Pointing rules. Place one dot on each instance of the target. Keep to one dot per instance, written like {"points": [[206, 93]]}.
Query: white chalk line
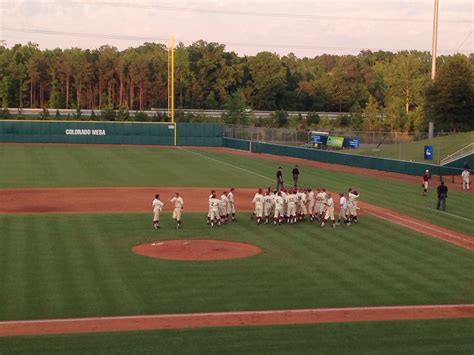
{"points": [[426, 226], [422, 231], [241, 313], [451, 214], [225, 163]]}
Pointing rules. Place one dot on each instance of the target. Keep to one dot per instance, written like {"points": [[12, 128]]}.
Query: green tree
{"points": [[449, 99], [280, 118], [371, 115], [268, 81]]}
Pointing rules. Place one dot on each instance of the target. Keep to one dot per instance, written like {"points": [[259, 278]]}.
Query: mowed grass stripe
{"points": [[395, 337], [93, 271]]}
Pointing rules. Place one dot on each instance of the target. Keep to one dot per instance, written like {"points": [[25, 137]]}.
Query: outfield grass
{"points": [[401, 337], [413, 151], [73, 166], [56, 266], [402, 197]]}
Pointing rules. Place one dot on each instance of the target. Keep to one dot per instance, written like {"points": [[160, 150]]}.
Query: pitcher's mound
{"points": [[196, 249]]}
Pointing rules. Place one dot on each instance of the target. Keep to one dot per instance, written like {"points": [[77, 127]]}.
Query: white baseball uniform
{"points": [[292, 200], [214, 208], [157, 206], [466, 177], [267, 205], [329, 209], [230, 203], [352, 203], [279, 207], [258, 201], [178, 206], [342, 208], [223, 205], [311, 203]]}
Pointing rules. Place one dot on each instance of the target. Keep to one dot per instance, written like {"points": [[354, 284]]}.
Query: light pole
{"points": [[435, 40], [433, 59]]}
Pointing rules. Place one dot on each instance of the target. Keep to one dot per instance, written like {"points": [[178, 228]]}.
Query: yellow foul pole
{"points": [[171, 85]]}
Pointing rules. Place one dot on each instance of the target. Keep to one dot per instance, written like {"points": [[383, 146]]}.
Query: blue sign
{"points": [[428, 152], [319, 139], [354, 143]]}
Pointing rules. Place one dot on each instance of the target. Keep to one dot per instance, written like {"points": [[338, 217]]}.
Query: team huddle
{"points": [[293, 205], [221, 209]]}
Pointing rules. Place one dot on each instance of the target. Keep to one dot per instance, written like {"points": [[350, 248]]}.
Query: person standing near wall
{"points": [[426, 177], [279, 177], [442, 195], [466, 179], [296, 174]]}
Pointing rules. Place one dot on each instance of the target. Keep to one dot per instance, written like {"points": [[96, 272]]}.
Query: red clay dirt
{"points": [[232, 319], [196, 250], [87, 200]]}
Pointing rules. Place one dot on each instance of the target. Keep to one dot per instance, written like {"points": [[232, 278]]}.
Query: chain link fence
{"points": [[298, 137], [394, 145]]}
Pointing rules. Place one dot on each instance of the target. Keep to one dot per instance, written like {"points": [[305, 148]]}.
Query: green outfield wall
{"points": [[201, 134], [390, 165]]}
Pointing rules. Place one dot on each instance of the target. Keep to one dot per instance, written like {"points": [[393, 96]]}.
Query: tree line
{"points": [[381, 90]]}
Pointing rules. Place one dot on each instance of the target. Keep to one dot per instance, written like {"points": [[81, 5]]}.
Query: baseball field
{"points": [[72, 216]]}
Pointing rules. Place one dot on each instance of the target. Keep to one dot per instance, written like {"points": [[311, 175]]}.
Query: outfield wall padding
{"points": [[360, 161], [200, 134]]}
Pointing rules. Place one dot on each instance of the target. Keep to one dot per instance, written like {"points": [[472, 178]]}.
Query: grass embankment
{"points": [[413, 151]]}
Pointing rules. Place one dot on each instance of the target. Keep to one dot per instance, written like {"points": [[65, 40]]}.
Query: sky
{"points": [[303, 27]]}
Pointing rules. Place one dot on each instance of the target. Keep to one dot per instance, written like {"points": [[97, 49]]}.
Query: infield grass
{"points": [[76, 265], [78, 166], [400, 337]]}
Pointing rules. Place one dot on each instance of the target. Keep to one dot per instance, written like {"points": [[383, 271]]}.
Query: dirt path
{"points": [[232, 319], [87, 200]]}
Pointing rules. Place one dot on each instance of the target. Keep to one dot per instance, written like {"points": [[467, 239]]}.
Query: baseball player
{"points": [[466, 179], [258, 201], [178, 208], [284, 196], [352, 197], [342, 209], [267, 205], [302, 210], [319, 201], [311, 204], [329, 203], [279, 209], [231, 204], [213, 192], [322, 207], [223, 207], [157, 206], [292, 201], [214, 217], [426, 177]]}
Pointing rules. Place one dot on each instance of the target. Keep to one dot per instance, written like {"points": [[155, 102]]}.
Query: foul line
{"points": [[451, 214], [228, 164], [233, 319], [418, 229]]}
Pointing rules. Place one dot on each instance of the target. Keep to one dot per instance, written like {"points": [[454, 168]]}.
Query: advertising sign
{"points": [[428, 152], [335, 142]]}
